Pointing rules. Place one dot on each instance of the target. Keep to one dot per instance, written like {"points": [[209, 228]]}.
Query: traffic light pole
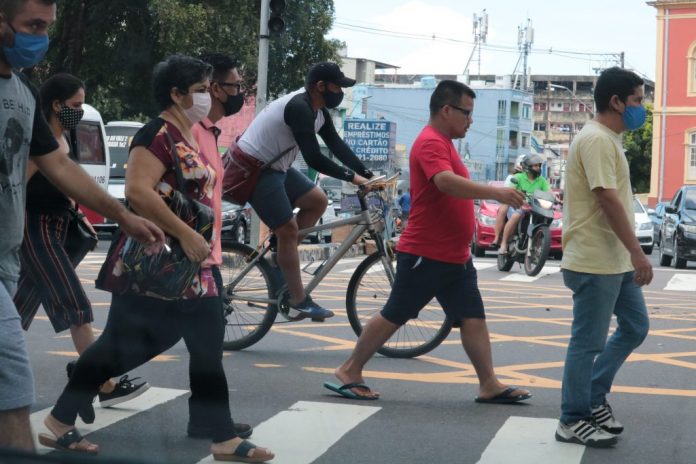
{"points": [[262, 79], [261, 96]]}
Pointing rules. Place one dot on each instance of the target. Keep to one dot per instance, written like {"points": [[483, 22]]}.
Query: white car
{"points": [[644, 227]]}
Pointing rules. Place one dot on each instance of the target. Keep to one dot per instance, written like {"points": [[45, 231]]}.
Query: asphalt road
{"points": [[427, 412]]}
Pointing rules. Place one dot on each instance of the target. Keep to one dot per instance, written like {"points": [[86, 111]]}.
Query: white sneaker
{"points": [[585, 432], [604, 417]]}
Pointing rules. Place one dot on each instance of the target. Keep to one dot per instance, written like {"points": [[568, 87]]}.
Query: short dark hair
{"points": [[177, 71], [448, 92], [615, 81], [221, 63], [58, 87], [10, 8]]}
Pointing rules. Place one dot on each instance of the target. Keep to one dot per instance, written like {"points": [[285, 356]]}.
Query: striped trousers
{"points": [[48, 277]]}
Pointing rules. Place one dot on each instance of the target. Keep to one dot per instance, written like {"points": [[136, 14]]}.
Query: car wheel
{"points": [[477, 250], [679, 263], [665, 260]]}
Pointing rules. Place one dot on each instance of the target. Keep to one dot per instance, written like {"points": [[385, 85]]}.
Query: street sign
{"points": [[372, 141]]}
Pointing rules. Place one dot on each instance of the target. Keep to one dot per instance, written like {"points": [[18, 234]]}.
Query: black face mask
{"points": [[69, 117], [332, 99], [233, 104]]}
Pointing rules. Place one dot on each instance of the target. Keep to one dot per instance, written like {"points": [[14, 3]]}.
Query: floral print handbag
{"points": [[130, 268]]}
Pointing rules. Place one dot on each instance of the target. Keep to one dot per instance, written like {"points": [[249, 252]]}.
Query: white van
{"points": [[92, 153], [119, 135]]}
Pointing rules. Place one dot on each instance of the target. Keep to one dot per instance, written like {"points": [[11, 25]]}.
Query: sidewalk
{"points": [[321, 251]]}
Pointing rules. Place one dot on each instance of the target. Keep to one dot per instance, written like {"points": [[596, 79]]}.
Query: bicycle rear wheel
{"points": [[246, 322], [367, 293]]}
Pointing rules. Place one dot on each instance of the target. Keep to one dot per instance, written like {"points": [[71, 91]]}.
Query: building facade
{"points": [[674, 116], [500, 133]]}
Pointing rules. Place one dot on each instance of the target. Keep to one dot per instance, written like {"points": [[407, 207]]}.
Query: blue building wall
{"points": [[408, 107]]}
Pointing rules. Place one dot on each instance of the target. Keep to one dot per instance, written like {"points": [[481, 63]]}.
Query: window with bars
{"points": [[691, 71]]}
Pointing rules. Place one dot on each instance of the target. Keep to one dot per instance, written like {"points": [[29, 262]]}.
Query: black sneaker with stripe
{"points": [[585, 432], [604, 417], [126, 389]]}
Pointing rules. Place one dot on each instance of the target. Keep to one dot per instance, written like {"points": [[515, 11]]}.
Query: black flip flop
{"points": [[505, 397]]}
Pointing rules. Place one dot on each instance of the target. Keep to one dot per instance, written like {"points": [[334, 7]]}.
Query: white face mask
{"points": [[200, 108]]}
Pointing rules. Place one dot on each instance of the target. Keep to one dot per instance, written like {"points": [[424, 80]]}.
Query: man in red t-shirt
{"points": [[433, 259]]}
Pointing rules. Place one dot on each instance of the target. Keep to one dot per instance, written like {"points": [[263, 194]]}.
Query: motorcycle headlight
{"points": [[689, 229], [546, 204], [487, 220], [557, 224], [646, 226]]}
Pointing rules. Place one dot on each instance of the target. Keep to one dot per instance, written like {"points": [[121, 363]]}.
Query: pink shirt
{"points": [[207, 145]]}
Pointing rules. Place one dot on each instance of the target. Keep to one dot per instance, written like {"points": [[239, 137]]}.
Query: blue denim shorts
{"points": [[16, 379], [276, 193], [420, 279]]}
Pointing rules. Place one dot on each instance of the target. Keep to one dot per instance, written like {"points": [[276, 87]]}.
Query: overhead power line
{"points": [[576, 54]]}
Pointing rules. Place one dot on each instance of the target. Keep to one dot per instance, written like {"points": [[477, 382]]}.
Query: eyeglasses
{"points": [[236, 85], [466, 113]]}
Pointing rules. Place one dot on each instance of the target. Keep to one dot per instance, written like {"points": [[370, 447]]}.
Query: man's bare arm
{"points": [[613, 210], [74, 182], [451, 184]]}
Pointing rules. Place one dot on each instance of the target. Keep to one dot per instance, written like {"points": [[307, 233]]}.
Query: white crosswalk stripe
{"points": [[522, 277], [528, 440], [307, 430], [682, 282], [109, 416]]}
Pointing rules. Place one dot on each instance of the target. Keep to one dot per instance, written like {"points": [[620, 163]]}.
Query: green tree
{"points": [[114, 44], [638, 145]]}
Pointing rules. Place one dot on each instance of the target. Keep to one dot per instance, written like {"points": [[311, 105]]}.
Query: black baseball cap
{"points": [[328, 72]]}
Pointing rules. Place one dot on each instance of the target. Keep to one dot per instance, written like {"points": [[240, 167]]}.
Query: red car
{"points": [[484, 228]]}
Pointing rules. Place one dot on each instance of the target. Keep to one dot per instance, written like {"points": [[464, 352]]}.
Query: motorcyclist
{"points": [[528, 181]]}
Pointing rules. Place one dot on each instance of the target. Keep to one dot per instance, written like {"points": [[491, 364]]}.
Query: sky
{"points": [[570, 37]]}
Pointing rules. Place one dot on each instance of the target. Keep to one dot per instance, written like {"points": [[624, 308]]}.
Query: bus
{"points": [[92, 153]]}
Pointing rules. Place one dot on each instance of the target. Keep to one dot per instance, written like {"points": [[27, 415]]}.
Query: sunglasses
{"points": [[466, 113], [237, 86]]}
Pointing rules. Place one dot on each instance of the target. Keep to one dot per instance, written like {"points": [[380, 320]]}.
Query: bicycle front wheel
{"points": [[368, 291], [248, 313]]}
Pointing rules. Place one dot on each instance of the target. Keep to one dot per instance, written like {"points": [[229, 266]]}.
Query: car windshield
{"points": [[637, 207]]}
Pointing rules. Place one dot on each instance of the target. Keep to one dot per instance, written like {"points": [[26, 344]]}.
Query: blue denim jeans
{"points": [[592, 362]]}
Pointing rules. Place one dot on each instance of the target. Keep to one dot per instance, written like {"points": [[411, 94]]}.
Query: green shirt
{"points": [[530, 186]]}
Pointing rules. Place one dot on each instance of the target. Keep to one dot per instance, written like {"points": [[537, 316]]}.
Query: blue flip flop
{"points": [[346, 392], [505, 397]]}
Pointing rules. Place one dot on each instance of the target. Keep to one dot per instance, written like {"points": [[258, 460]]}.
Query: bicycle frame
{"points": [[363, 222]]}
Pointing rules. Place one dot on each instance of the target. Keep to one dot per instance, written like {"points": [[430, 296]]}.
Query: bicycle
{"points": [[253, 298]]}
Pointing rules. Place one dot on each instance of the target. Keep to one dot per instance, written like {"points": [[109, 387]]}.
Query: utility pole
{"points": [[262, 79]]}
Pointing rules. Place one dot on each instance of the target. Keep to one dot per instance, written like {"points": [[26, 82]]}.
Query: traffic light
{"points": [[276, 25]]}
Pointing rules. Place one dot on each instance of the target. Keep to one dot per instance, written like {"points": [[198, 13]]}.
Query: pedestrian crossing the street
{"points": [[307, 429]]}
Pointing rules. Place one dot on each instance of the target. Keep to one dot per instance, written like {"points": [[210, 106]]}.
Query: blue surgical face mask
{"points": [[634, 117], [28, 49]]}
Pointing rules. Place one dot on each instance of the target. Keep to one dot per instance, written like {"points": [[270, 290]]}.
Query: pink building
{"points": [[674, 117]]}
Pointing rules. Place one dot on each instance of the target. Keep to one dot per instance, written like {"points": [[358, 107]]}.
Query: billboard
{"points": [[372, 141]]}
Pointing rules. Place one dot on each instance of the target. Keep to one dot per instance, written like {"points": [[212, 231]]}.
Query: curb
{"points": [[322, 252]]}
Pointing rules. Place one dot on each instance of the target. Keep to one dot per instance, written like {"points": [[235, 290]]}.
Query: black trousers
{"points": [[138, 329]]}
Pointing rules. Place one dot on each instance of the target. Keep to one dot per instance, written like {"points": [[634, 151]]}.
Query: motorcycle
{"points": [[531, 242]]}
